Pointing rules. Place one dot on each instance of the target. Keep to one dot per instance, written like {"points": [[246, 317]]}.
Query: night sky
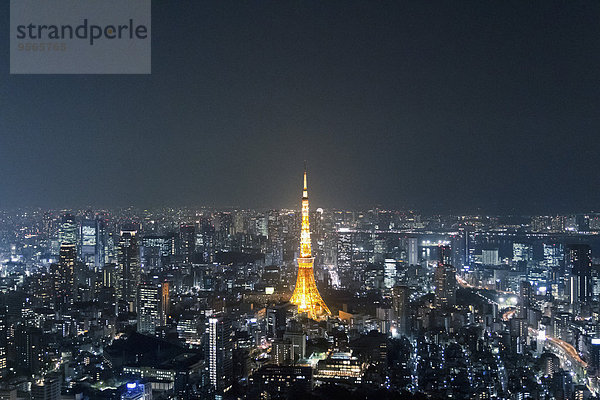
{"points": [[438, 106]]}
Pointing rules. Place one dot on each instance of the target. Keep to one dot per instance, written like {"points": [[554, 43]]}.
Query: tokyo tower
{"points": [[306, 295]]}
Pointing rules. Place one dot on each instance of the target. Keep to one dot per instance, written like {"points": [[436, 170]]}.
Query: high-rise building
{"points": [[518, 334], [550, 364], [219, 353], [522, 252], [281, 351], [109, 276], [154, 250], [63, 274], [29, 349], [100, 242], [67, 232], [400, 304], [553, 254], [526, 295], [225, 223], [306, 295], [88, 242], [3, 340], [344, 257], [152, 306], [445, 279], [298, 342], [413, 251], [389, 273], [128, 276], [187, 242], [579, 263], [490, 257]]}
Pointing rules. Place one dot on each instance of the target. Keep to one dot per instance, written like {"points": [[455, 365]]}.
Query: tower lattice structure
{"points": [[306, 295]]}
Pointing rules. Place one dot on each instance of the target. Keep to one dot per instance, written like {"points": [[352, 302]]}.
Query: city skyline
{"points": [[180, 304], [156, 241]]}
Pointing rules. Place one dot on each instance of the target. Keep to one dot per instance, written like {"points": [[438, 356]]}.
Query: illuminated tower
{"points": [[306, 295]]}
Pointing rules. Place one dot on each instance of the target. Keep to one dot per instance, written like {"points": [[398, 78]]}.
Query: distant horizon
{"points": [[427, 213]]}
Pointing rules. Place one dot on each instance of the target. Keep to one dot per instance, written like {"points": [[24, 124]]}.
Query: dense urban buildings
{"points": [[253, 304]]}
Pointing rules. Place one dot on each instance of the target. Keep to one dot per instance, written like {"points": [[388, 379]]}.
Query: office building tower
{"points": [[579, 264], [276, 319], [522, 252], [281, 351], [128, 275], [413, 251], [29, 349], [389, 273], [152, 306], [553, 254], [518, 334], [155, 250], [225, 223], [298, 342], [400, 305], [187, 242], [344, 257], [3, 340], [88, 242], [526, 297], [444, 279], [109, 275], [219, 353], [63, 275], [490, 257], [101, 235], [67, 232]]}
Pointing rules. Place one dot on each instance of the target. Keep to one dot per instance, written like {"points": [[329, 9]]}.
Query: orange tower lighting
{"points": [[306, 295]]}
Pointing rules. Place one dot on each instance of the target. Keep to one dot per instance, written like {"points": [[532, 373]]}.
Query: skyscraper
{"points": [[3, 340], [344, 256], [63, 274], [445, 280], [579, 262], [400, 304], [128, 276], [187, 242], [526, 294], [67, 233], [152, 306], [490, 257], [306, 295], [219, 353], [88, 236], [389, 273], [413, 251]]}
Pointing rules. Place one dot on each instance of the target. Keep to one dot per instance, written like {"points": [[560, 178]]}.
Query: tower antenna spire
{"points": [[305, 192]]}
